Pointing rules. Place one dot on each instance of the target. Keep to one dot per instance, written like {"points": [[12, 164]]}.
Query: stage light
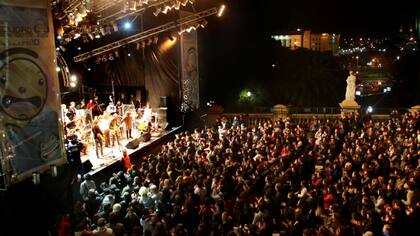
{"points": [[91, 36], [98, 60], [177, 5], [73, 78], [249, 94], [89, 69], [36, 178], [157, 11], [358, 93], [57, 69], [73, 84], [102, 30], [127, 25], [203, 23], [155, 40], [76, 35], [79, 48], [117, 53], [143, 44], [221, 10], [166, 9], [115, 26], [129, 54], [54, 171], [132, 4], [57, 49], [97, 36], [149, 42], [59, 37], [104, 59], [111, 57]]}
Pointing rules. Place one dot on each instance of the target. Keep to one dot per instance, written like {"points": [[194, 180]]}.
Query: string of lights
{"points": [[184, 22]]}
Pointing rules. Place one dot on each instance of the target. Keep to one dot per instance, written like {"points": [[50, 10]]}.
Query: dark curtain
{"points": [[161, 75]]}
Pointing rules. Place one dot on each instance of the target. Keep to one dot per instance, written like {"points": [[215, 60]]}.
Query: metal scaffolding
{"points": [[194, 18]]}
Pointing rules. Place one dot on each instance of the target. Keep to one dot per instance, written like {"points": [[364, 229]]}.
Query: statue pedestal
{"points": [[349, 106]]}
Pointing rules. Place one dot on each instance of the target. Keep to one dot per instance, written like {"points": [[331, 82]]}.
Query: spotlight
{"points": [[149, 42], [59, 37], [79, 48], [97, 36], [115, 26], [157, 11], [166, 9], [54, 171], [89, 69], [36, 178], [129, 54], [155, 40], [73, 78], [132, 5], [73, 84], [221, 10], [177, 5], [370, 109], [203, 23], [104, 59], [127, 25], [111, 57], [57, 69]]}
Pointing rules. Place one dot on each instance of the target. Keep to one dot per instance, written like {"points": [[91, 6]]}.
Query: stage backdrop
{"points": [[29, 90], [190, 75]]}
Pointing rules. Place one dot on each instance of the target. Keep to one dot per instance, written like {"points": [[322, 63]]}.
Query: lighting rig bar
{"points": [[124, 13], [146, 34], [103, 5], [68, 8]]}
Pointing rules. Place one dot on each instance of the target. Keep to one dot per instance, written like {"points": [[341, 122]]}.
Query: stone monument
{"points": [[349, 104]]}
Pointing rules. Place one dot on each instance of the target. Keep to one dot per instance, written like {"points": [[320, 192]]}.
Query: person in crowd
{"points": [[286, 177], [87, 185]]}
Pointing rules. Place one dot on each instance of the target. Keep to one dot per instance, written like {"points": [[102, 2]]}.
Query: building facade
{"points": [[322, 42]]}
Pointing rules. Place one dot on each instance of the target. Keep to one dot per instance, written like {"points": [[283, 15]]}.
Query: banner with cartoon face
{"points": [[29, 90]]}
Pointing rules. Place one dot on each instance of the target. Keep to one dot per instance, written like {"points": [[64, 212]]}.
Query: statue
{"points": [[351, 87]]}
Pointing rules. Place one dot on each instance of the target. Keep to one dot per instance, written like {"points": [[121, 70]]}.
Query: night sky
{"points": [[234, 49]]}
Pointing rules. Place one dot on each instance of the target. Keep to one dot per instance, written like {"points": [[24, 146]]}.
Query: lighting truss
{"points": [[123, 13], [147, 34]]}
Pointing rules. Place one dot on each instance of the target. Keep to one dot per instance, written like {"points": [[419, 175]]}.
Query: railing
{"points": [[302, 114]]}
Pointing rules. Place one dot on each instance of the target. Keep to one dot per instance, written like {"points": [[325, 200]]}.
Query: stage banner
{"points": [[29, 90], [189, 62]]}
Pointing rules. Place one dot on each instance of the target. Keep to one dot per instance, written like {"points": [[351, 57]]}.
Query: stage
{"points": [[114, 154]]}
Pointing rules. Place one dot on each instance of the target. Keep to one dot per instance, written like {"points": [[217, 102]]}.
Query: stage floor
{"points": [[114, 154]]}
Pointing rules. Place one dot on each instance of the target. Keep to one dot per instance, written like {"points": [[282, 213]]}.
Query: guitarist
{"points": [[114, 127], [97, 109], [99, 138]]}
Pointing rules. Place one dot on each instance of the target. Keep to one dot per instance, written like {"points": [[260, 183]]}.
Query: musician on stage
{"points": [[128, 122], [114, 127], [90, 104], [97, 109], [99, 138], [71, 111]]}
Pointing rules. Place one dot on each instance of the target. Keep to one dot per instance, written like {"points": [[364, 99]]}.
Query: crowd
{"points": [[347, 177]]}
